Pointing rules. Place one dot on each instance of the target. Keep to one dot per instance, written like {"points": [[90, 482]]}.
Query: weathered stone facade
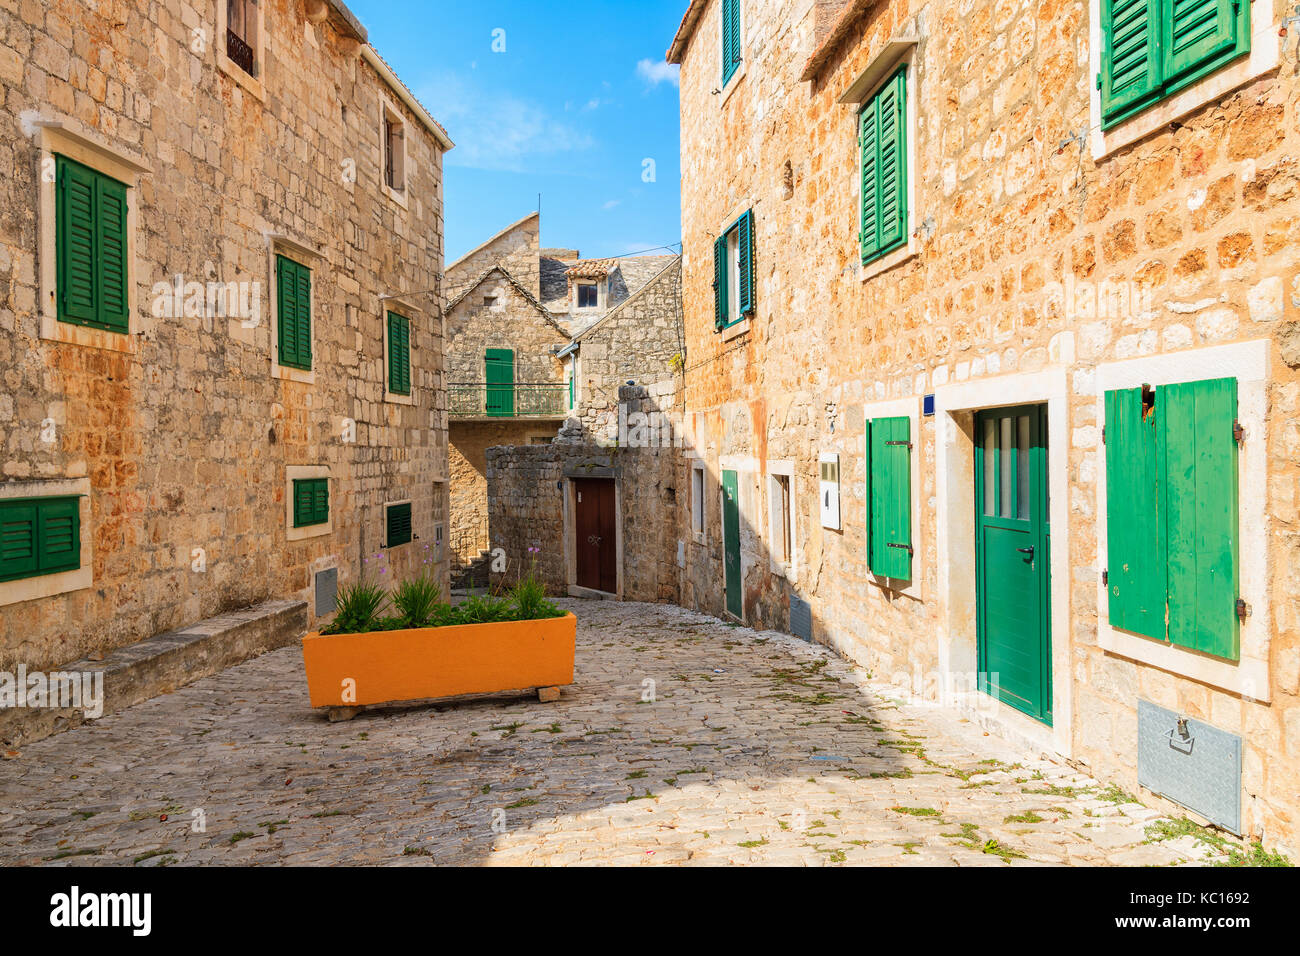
{"points": [[1022, 212], [182, 434], [530, 505]]}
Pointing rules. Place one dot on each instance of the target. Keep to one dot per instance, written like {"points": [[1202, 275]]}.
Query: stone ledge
{"points": [[160, 664]]}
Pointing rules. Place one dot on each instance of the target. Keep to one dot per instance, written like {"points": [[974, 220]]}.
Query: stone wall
{"points": [[515, 248], [513, 322], [527, 489], [641, 341], [1012, 212], [181, 429]]}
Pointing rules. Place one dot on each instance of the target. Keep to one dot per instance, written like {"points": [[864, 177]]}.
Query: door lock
{"points": [[1029, 551]]}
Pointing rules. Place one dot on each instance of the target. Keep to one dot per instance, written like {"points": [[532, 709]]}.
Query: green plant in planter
{"points": [[359, 608], [418, 600], [529, 595]]}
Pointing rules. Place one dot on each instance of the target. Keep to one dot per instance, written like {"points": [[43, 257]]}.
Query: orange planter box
{"points": [[385, 667]]}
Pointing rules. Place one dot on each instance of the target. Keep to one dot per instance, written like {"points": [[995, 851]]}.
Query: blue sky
{"points": [[572, 109]]}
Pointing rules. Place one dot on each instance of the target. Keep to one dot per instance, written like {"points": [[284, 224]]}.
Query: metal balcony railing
{"points": [[483, 400], [240, 52]]}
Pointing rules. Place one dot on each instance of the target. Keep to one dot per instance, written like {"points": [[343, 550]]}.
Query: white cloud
{"points": [[612, 204], [498, 131], [655, 72]]}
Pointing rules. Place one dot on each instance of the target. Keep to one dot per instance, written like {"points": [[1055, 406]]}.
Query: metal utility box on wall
{"points": [[1191, 763], [830, 491], [801, 623], [327, 591]]}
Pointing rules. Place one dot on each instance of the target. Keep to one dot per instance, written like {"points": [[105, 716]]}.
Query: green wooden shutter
{"points": [[720, 317], [1199, 465], [745, 242], [730, 39], [889, 461], [311, 502], [1200, 33], [869, 142], [1137, 578], [1131, 67], [59, 536], [399, 525], [293, 312], [75, 241], [500, 378], [18, 536], [111, 260], [399, 354], [892, 119]]}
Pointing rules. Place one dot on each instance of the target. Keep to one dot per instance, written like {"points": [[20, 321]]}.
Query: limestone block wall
{"points": [[184, 435], [641, 341], [1025, 235], [513, 322], [515, 248]]}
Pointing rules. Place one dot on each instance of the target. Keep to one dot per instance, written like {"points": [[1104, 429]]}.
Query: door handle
{"points": [[1029, 551]]}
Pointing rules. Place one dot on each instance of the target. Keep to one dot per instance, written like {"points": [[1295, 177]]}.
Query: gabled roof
{"points": [[592, 268], [493, 238], [528, 296], [371, 56], [626, 302]]}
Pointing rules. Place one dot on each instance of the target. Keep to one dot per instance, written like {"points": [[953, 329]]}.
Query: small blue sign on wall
{"points": [[927, 405]]}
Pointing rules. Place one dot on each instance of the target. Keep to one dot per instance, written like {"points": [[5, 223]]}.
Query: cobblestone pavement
{"points": [[757, 749]]}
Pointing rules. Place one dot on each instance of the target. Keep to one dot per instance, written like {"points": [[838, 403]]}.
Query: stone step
{"points": [[160, 664]]}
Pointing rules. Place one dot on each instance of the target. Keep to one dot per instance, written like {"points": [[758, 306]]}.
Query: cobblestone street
{"points": [[758, 749]]}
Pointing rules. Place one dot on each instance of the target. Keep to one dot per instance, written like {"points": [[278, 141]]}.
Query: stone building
{"points": [[991, 366], [221, 240], [539, 338]]}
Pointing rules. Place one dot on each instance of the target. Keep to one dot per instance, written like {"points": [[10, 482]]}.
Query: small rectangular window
{"points": [[394, 153], [39, 536], [730, 39], [697, 500], [293, 313], [882, 140], [733, 272], [311, 502], [91, 248], [399, 354], [241, 34], [780, 504], [397, 525], [588, 295]]}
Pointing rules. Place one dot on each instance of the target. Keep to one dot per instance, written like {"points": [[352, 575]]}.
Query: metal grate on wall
{"points": [[1191, 763], [327, 591], [801, 623]]}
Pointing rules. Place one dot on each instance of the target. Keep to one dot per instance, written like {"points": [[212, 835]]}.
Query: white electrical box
{"points": [[830, 491]]}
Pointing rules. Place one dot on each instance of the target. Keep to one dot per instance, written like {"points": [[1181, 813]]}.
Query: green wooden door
{"points": [[500, 383], [731, 540], [1012, 558]]}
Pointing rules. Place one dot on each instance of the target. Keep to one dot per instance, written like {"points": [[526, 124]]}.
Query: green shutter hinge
{"points": [[1099, 80], [1243, 610], [1105, 578], [907, 443], [901, 547], [1238, 432]]}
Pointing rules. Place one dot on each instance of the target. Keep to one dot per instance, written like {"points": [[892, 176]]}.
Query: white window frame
{"points": [[67, 138], [294, 473], [1248, 363], [909, 408], [65, 582], [789, 568], [389, 113], [699, 502], [303, 254], [896, 53], [253, 84], [409, 312], [1264, 56], [730, 227]]}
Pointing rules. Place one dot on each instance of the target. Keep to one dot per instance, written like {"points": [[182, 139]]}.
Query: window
{"points": [[730, 39], [1153, 48], [882, 138], [588, 295], [697, 500], [397, 524], [39, 536], [733, 273], [490, 301], [241, 34], [311, 502], [780, 522], [91, 248], [399, 354], [1171, 514], [394, 151], [889, 497], [293, 313]]}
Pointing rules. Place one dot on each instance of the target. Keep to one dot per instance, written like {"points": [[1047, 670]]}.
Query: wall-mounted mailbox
{"points": [[830, 491]]}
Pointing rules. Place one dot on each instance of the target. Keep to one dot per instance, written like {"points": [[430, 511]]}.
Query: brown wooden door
{"points": [[595, 543]]}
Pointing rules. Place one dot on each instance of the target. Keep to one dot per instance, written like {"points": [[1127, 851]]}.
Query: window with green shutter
{"points": [[882, 138], [399, 354], [91, 248], [293, 312], [39, 536], [1172, 549], [889, 497], [311, 502], [730, 39], [398, 525], [1154, 48], [733, 273]]}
